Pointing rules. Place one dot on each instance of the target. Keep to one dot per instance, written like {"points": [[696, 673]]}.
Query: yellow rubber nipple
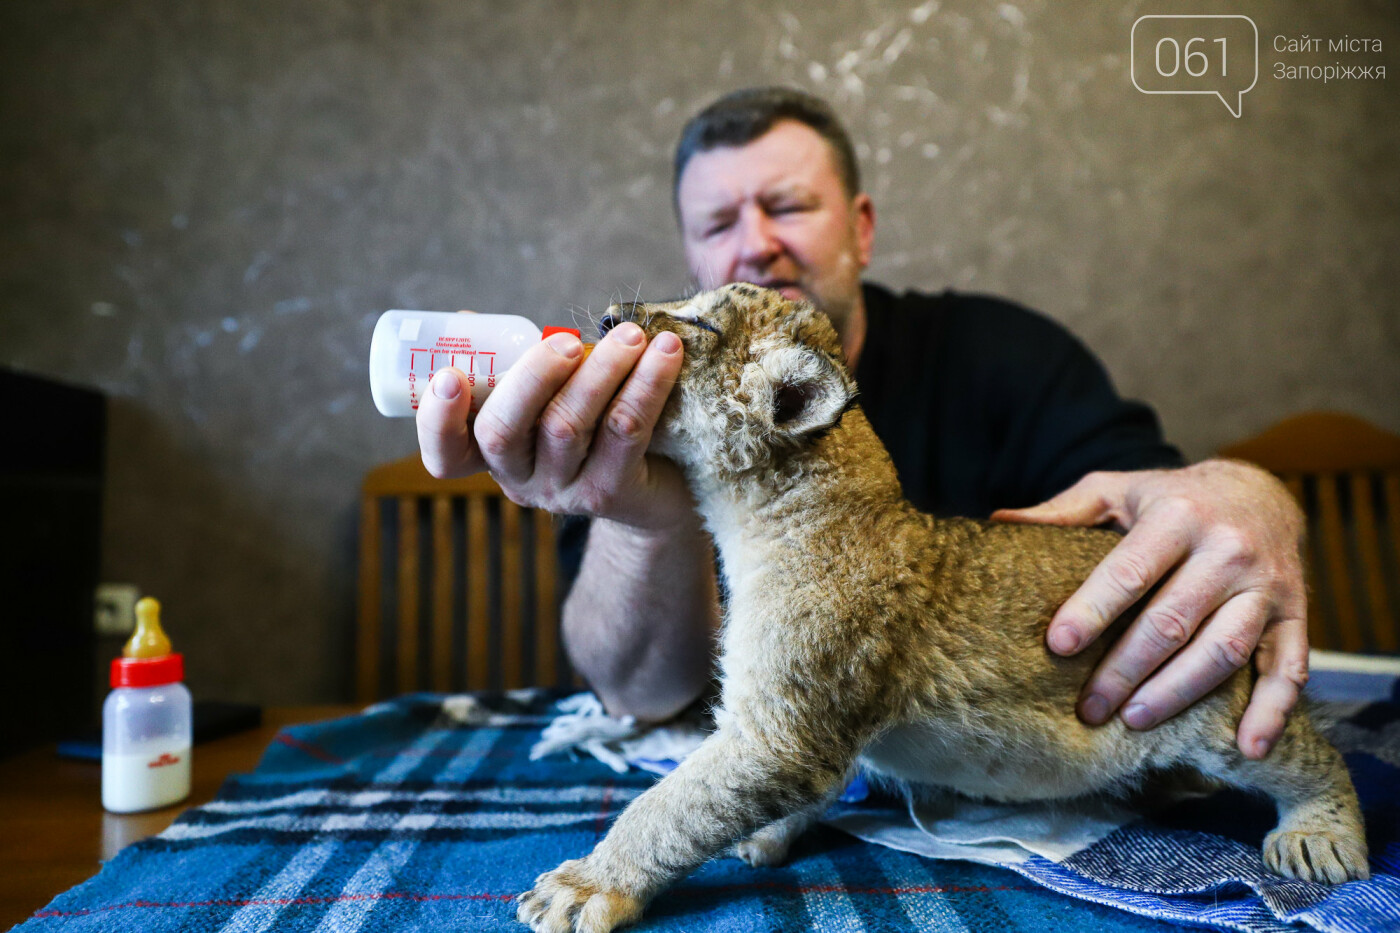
{"points": [[149, 640]]}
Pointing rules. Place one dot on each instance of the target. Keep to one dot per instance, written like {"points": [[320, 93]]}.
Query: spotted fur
{"points": [[860, 628]]}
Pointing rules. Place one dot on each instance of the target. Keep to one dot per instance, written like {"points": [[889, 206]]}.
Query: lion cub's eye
{"points": [[703, 325], [696, 322]]}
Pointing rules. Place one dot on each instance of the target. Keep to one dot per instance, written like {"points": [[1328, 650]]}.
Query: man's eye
{"points": [[718, 228]]}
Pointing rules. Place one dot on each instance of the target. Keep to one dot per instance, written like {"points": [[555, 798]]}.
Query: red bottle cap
{"points": [[148, 672], [552, 330]]}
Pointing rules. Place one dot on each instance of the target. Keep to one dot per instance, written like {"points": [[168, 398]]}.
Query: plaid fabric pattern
{"points": [[1198, 862], [403, 819]]}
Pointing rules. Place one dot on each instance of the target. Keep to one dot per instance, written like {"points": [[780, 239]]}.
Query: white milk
{"points": [[146, 776]]}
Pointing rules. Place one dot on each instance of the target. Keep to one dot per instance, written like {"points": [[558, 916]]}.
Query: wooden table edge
{"points": [[55, 833]]}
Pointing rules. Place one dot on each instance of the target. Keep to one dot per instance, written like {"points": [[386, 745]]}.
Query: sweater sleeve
{"points": [[571, 537]]}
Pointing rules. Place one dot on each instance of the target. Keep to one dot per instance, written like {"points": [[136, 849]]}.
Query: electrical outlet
{"points": [[114, 608]]}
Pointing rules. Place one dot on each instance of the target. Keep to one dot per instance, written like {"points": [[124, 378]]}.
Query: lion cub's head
{"points": [[763, 376]]}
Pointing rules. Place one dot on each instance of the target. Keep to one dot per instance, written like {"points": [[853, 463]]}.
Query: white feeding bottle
{"points": [[409, 346], [147, 724]]}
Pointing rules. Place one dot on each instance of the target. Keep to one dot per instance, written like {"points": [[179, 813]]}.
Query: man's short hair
{"points": [[740, 117]]}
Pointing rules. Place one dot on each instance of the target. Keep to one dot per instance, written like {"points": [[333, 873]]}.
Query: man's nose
{"points": [[758, 244]]}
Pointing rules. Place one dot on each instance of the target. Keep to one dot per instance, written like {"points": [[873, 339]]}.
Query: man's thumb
{"points": [[1091, 501]]}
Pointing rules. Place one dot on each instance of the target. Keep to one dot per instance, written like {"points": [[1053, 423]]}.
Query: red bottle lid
{"points": [[148, 672], [551, 330]]}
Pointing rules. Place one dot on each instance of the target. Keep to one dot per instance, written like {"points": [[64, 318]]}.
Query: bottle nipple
{"points": [[551, 330], [149, 640]]}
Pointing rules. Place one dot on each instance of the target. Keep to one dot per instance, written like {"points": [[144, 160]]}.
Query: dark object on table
{"points": [[51, 475], [213, 719]]}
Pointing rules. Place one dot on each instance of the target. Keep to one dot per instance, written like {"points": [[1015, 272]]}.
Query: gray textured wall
{"points": [[206, 204]]}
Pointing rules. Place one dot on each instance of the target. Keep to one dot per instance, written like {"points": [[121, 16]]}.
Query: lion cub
{"points": [[860, 628]]}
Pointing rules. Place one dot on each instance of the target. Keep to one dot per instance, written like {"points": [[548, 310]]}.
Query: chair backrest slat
{"points": [[1390, 485], [443, 569], [408, 570], [478, 594], [369, 621], [512, 674], [1368, 551], [1334, 555], [546, 621]]}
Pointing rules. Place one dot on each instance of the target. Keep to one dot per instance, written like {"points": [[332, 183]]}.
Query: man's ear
{"points": [[863, 210], [809, 391]]}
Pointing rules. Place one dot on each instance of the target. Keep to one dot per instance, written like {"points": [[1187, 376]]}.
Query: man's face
{"points": [[774, 213]]}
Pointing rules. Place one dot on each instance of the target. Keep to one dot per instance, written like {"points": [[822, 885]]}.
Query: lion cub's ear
{"points": [[807, 391]]}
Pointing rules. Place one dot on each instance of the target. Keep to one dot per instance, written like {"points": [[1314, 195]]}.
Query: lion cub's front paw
{"points": [[1328, 857], [570, 900]]}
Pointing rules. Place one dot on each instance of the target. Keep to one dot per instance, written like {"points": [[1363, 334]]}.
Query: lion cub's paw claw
{"points": [[760, 850], [566, 900], [1326, 857]]}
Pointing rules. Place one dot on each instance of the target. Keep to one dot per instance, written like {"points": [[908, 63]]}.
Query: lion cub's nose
{"points": [[624, 311]]}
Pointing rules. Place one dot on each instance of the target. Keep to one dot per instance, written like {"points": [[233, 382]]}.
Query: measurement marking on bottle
{"points": [[456, 347]]}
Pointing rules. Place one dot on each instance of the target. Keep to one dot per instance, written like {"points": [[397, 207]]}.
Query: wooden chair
{"points": [[464, 579], [1345, 472]]}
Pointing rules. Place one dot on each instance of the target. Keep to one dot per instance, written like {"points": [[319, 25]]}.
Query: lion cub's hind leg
{"points": [[1320, 834], [771, 844]]}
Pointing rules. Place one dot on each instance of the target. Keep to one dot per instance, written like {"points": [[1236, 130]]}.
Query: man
{"points": [[1002, 403]]}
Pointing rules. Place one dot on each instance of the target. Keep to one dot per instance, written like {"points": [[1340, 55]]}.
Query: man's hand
{"points": [[1226, 537], [566, 437]]}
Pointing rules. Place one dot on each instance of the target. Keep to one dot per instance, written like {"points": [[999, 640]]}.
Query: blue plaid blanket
{"points": [[402, 818]]}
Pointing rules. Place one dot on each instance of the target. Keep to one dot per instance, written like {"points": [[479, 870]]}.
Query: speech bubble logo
{"points": [[1206, 54]]}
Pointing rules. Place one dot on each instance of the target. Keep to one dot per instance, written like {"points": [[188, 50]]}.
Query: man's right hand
{"points": [[564, 436]]}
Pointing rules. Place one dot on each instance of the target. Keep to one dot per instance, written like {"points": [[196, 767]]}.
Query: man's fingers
{"points": [[1093, 500], [505, 426], [1282, 663], [626, 429], [1122, 578], [1222, 646], [444, 437], [1163, 628], [568, 422]]}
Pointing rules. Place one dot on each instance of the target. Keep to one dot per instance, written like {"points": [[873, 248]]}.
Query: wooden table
{"points": [[55, 834]]}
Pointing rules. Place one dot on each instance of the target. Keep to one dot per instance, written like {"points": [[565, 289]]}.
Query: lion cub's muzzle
{"points": [[634, 311]]}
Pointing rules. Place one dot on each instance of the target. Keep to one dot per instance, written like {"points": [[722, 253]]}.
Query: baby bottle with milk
{"points": [[147, 724]]}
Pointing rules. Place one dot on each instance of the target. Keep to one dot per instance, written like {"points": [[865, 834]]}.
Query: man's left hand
{"points": [[1226, 537]]}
